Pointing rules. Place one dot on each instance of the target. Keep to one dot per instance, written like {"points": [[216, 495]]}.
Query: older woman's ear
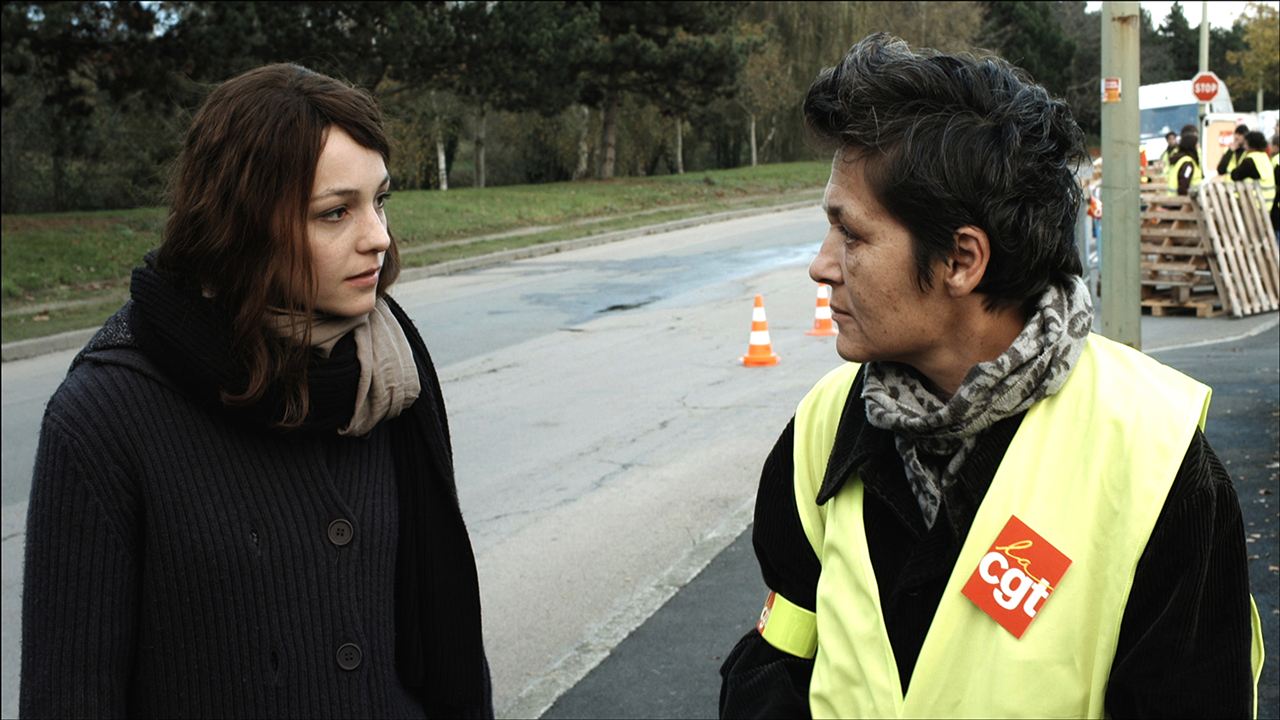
{"points": [[967, 263]]}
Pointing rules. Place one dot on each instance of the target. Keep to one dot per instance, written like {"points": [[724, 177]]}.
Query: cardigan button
{"points": [[349, 656], [340, 532]]}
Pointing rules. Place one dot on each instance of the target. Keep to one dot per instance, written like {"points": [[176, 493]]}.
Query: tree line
{"points": [[96, 95]]}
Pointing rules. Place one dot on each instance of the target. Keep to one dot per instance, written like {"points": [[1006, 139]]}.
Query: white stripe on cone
{"points": [[757, 315], [760, 337]]}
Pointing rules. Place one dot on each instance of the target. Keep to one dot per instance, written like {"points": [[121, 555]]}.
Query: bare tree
{"points": [[764, 88]]}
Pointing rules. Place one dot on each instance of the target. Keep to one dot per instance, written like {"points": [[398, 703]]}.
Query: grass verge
{"points": [[64, 271], [428, 255]]}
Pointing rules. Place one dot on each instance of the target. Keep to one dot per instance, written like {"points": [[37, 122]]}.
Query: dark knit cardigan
{"points": [[180, 565]]}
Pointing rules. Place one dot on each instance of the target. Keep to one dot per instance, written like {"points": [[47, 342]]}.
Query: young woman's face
{"points": [[347, 225]]}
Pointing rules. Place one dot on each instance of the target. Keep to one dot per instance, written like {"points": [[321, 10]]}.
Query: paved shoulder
{"points": [[670, 666]]}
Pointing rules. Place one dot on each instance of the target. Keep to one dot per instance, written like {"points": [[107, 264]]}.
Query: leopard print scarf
{"points": [[934, 437]]}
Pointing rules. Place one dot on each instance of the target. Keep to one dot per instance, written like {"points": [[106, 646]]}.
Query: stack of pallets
{"points": [[1210, 253], [1177, 268]]}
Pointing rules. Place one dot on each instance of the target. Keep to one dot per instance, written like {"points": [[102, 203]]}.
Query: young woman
{"points": [[243, 502]]}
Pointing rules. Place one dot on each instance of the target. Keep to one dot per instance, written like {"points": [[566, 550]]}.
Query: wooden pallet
{"points": [[1177, 271], [1244, 257], [1202, 305]]}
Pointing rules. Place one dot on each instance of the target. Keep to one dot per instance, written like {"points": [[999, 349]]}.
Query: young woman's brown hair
{"points": [[238, 221]]}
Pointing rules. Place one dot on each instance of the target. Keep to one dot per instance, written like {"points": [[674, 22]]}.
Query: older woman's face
{"points": [[867, 259], [347, 225]]}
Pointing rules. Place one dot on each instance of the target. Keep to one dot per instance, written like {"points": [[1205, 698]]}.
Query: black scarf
{"points": [[439, 646]]}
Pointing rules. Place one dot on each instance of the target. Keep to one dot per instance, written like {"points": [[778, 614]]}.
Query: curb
{"points": [[542, 692], [23, 349], [72, 339]]}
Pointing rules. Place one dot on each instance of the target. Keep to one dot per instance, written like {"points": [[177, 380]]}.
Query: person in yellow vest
{"points": [[1231, 158], [1275, 173], [986, 511], [1183, 169], [1171, 142], [1257, 166]]}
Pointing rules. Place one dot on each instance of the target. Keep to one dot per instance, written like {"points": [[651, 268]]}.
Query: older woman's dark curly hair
{"points": [[950, 140]]}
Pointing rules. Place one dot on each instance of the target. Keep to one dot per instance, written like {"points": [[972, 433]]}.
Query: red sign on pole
{"points": [[1110, 89], [1205, 86]]}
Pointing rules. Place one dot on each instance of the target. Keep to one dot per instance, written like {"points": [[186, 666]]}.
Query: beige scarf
{"points": [[388, 375]]}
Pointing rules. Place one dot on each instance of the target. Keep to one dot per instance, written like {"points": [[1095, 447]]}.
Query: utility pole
{"points": [[1122, 274], [1204, 59]]}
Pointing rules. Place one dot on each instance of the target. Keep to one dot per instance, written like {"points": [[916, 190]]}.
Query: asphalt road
{"points": [[668, 667]]}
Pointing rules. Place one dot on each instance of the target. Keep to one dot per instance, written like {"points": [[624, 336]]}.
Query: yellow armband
{"points": [[1257, 654], [788, 627]]}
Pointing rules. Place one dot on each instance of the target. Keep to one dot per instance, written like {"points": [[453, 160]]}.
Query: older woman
{"points": [[987, 511]]}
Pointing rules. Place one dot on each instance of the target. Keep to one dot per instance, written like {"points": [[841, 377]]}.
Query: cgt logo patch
{"points": [[1015, 578]]}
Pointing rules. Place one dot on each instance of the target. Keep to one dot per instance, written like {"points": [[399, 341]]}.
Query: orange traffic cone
{"points": [[822, 324], [759, 349]]}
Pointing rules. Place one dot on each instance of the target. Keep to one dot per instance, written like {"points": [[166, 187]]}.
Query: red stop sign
{"points": [[1205, 86]]}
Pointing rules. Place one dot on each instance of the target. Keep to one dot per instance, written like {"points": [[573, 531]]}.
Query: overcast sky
{"points": [[1222, 13]]}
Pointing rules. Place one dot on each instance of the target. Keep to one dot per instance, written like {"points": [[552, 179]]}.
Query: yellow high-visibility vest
{"points": [[1171, 174], [1233, 160], [1089, 470], [1266, 173]]}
